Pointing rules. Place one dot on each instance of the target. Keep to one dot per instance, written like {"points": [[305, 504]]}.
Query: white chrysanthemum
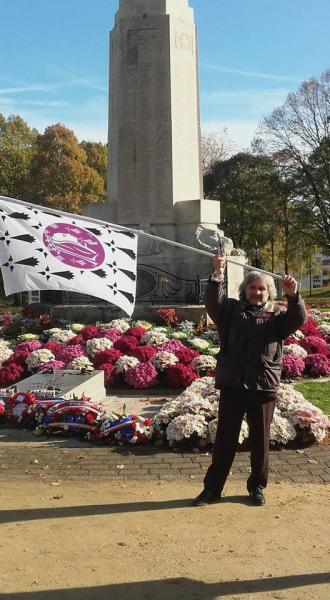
{"points": [[199, 405], [281, 430], [5, 353], [154, 338], [38, 358], [122, 324], [243, 434], [168, 412], [295, 349], [163, 359], [297, 335], [80, 362], [211, 336], [200, 384], [199, 343], [204, 363], [62, 336], [324, 328], [124, 363], [98, 345], [187, 327], [4, 343], [185, 426], [302, 413]]}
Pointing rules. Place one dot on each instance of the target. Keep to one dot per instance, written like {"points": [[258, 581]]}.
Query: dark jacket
{"points": [[251, 346]]}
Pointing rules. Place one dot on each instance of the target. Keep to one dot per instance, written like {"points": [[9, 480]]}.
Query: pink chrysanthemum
{"points": [[28, 346], [142, 376], [112, 334], [68, 353], [293, 365], [314, 345], [317, 364], [56, 365]]}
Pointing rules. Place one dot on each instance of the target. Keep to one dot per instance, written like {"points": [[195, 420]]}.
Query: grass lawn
{"points": [[318, 393]]}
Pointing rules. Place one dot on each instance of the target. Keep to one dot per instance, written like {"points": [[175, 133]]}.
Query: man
{"points": [[248, 371]]}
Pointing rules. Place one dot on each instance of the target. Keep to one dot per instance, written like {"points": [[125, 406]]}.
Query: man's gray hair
{"points": [[267, 279]]}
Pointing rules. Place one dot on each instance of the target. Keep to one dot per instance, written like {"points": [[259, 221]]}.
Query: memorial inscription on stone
{"points": [[68, 384]]}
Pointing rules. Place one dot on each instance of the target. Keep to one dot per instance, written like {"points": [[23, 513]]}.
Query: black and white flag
{"points": [[44, 249]]}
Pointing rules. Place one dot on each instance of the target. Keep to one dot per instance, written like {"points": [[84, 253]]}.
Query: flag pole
{"points": [[136, 231]]}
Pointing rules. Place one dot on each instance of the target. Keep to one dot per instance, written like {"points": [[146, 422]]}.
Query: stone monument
{"points": [[155, 175]]}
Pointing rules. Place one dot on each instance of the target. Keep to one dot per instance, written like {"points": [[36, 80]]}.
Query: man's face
{"points": [[256, 292]]}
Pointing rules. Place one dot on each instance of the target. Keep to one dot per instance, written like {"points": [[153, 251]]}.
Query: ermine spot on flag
{"points": [[61, 251]]}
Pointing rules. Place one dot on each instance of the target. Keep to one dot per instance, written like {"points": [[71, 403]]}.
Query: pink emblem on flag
{"points": [[73, 246]]}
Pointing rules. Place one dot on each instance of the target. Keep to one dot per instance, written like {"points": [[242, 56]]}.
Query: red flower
{"points": [[126, 344], [10, 375], [54, 347], [136, 332], [186, 355], [107, 368], [18, 358], [89, 332], [106, 356], [90, 418], [144, 353], [77, 340], [310, 328], [180, 376]]}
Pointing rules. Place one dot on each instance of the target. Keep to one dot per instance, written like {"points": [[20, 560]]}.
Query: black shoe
{"points": [[206, 497], [257, 496]]}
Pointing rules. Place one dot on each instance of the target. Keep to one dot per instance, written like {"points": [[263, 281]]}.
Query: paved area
{"points": [[59, 458], [57, 461]]}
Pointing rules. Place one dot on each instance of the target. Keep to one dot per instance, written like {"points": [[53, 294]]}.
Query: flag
{"points": [[44, 249]]}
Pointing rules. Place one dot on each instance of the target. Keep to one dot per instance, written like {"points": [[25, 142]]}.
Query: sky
{"points": [[54, 60]]}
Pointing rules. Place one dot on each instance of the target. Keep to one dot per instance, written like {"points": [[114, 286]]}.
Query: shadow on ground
{"points": [[88, 510], [175, 589]]}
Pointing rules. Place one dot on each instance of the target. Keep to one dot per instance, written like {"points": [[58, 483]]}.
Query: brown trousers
{"points": [[259, 410]]}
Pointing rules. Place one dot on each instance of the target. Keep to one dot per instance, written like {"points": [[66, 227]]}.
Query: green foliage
{"points": [[299, 131], [318, 393], [60, 173], [17, 148]]}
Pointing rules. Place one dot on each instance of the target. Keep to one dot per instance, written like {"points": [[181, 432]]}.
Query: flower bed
{"points": [[192, 418], [174, 355]]}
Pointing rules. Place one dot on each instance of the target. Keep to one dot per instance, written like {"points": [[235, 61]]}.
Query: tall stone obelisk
{"points": [[155, 175]]}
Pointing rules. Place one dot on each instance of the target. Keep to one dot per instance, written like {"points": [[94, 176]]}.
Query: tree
{"points": [[215, 146], [97, 158], [17, 147], [300, 129], [61, 176], [259, 210], [243, 184]]}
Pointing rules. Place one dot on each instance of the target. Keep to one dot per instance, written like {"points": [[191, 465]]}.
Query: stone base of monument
{"points": [[68, 384], [104, 313]]}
